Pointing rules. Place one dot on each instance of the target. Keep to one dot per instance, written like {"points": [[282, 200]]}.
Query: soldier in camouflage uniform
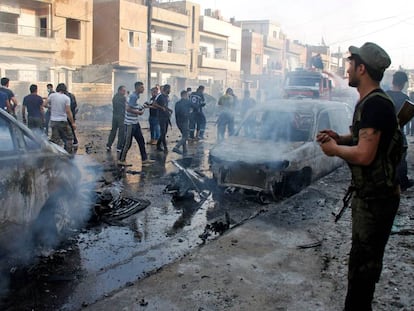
{"points": [[373, 150]]}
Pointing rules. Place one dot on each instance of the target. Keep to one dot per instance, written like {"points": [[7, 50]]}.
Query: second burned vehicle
{"points": [[275, 151]]}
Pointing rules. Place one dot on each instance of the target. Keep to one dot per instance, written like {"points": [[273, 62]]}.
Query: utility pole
{"points": [[149, 50]]}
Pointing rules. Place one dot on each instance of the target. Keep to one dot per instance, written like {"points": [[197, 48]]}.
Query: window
{"points": [[44, 75], [257, 59], [170, 46], [8, 22], [233, 55], [133, 39], [12, 74], [159, 45], [43, 27], [73, 29], [203, 50], [6, 140], [275, 34]]}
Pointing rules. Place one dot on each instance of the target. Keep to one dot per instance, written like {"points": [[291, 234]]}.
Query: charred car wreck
{"points": [[274, 151], [39, 188]]}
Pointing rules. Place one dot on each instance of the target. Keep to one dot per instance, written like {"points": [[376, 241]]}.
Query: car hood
{"points": [[255, 151]]}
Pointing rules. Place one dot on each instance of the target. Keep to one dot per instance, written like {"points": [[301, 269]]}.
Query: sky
{"points": [[339, 23]]}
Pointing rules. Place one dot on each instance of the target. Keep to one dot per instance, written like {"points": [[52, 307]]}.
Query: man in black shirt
{"points": [[372, 151], [34, 105], [163, 116], [4, 88], [197, 118], [119, 102], [399, 79], [182, 117], [153, 117]]}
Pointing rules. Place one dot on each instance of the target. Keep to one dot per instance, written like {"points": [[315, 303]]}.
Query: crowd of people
{"points": [[58, 111], [188, 112], [375, 149]]}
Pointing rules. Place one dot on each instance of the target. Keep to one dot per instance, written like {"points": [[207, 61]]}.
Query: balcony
{"points": [[215, 61], [26, 30], [19, 37], [169, 56]]}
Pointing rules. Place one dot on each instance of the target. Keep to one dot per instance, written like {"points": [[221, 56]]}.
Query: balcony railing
{"points": [[215, 55], [26, 30], [164, 46]]}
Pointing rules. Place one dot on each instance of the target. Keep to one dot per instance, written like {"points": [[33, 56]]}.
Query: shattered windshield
{"points": [[277, 126]]}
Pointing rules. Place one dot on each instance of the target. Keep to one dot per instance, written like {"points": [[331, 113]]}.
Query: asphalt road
{"points": [[103, 265]]}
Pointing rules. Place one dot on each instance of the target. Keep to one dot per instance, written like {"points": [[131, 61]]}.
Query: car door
{"points": [[23, 184]]}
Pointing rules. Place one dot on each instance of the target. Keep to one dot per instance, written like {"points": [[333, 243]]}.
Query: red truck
{"points": [[307, 83]]}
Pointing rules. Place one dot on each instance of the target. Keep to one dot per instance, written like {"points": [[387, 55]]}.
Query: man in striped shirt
{"points": [[132, 127]]}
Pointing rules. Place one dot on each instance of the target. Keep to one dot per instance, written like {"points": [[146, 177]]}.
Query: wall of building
{"points": [[252, 47], [73, 52], [106, 32], [133, 18], [98, 94]]}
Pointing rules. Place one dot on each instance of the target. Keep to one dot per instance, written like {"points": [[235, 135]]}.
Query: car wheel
{"points": [[54, 220], [299, 180]]}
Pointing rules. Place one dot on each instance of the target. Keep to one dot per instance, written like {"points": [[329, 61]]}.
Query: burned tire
{"points": [[54, 220], [299, 180]]}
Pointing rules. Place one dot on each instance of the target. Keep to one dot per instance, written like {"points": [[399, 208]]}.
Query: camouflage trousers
{"points": [[372, 221], [34, 123], [61, 131]]}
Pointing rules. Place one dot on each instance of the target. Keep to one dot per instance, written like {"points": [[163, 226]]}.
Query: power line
{"points": [[372, 32]]}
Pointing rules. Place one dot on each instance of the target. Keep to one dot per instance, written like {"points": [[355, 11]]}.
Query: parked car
{"points": [[275, 150], [38, 186]]}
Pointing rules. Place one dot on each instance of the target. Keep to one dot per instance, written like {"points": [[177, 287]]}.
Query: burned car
{"points": [[38, 186], [274, 151]]}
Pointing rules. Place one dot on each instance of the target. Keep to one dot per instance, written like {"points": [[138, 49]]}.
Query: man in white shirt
{"points": [[60, 116]]}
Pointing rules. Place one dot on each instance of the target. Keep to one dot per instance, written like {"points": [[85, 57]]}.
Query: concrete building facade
{"points": [[44, 41], [101, 44]]}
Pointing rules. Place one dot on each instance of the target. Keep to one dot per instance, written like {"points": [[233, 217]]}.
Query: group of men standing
{"points": [[189, 116], [60, 106], [125, 121]]}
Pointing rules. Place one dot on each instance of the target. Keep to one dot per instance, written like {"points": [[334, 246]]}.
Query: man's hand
{"points": [[328, 146], [325, 135]]}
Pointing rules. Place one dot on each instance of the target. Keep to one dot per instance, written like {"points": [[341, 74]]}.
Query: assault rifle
{"points": [[347, 198]]}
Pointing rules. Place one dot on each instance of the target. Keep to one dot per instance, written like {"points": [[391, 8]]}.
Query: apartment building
{"points": [[174, 42], [119, 43], [186, 49], [219, 58], [96, 45], [44, 41], [265, 46]]}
